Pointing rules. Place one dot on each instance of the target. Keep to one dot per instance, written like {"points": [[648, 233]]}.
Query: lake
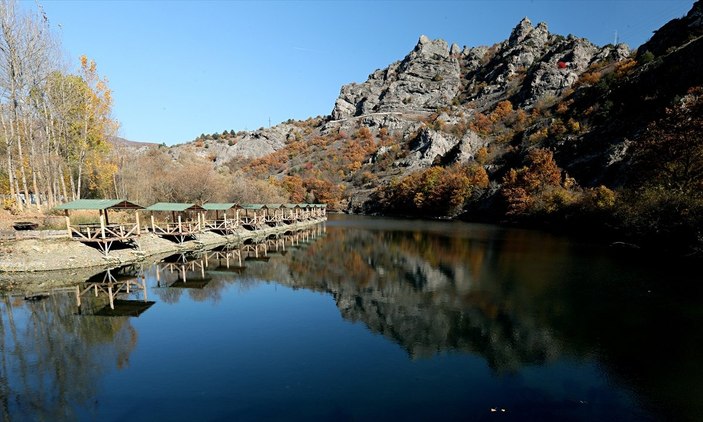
{"points": [[366, 319]]}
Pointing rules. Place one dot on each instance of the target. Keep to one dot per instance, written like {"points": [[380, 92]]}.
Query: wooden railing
{"points": [[222, 225], [181, 227], [98, 232]]}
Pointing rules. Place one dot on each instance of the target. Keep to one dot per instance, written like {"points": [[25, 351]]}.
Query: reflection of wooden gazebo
{"points": [[103, 233], [222, 224], [114, 282], [186, 270], [177, 228]]}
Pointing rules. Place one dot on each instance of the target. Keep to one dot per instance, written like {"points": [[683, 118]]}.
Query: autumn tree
{"points": [[436, 191], [528, 188], [664, 199]]}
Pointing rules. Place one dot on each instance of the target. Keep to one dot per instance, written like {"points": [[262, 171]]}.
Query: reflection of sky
{"points": [[500, 318], [271, 351]]}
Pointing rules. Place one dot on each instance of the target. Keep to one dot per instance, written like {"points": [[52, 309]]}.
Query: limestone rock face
{"points": [[252, 144], [532, 64], [429, 146], [427, 78]]}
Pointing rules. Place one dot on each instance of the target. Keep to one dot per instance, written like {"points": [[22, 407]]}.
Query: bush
{"points": [[436, 191]]}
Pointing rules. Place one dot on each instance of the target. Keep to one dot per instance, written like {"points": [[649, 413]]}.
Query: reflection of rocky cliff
{"points": [[424, 292]]}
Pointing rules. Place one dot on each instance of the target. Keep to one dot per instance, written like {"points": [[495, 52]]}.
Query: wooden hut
{"points": [[304, 212], [222, 223], [321, 211], [273, 214], [102, 232], [186, 220], [253, 217], [289, 213]]}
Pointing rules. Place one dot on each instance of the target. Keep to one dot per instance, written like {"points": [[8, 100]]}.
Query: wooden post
{"points": [[153, 224], [180, 224], [68, 224], [109, 292], [139, 228], [102, 224]]}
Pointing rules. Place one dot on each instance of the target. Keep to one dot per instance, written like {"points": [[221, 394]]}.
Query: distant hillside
{"points": [[538, 128], [121, 142]]}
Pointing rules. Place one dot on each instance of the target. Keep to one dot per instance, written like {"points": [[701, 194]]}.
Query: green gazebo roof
{"points": [[174, 206], [252, 206], [219, 206], [99, 204]]}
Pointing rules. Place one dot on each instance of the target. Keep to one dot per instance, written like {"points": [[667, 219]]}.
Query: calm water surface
{"points": [[366, 319]]}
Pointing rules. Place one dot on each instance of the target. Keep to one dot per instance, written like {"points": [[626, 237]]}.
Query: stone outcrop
{"points": [[531, 64], [427, 78]]}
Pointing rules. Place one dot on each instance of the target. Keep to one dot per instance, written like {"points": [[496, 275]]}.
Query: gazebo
{"points": [[254, 216], [177, 228], [273, 215], [102, 233], [290, 212], [304, 214], [222, 225]]}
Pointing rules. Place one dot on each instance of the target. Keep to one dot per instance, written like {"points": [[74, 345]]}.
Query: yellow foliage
{"points": [[625, 67], [538, 136]]}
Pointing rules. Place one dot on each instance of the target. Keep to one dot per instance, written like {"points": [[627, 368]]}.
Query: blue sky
{"points": [[178, 68]]}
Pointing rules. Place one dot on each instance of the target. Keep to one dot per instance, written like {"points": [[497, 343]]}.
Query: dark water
{"points": [[367, 319]]}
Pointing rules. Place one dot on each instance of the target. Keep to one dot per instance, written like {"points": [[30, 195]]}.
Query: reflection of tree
{"points": [[54, 359], [430, 293], [517, 297]]}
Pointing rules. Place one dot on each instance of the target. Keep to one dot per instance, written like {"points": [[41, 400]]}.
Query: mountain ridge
{"points": [[534, 127]]}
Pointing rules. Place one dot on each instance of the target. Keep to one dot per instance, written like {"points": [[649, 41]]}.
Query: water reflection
{"points": [[117, 284], [536, 308], [518, 298], [52, 359]]}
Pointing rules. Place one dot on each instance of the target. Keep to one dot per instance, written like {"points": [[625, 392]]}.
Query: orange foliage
{"points": [[521, 188], [294, 186], [502, 111], [625, 67], [437, 191]]}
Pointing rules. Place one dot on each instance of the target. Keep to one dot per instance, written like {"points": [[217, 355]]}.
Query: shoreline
{"points": [[46, 255]]}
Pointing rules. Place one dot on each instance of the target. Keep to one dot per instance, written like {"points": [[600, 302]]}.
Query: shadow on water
{"points": [[521, 300]]}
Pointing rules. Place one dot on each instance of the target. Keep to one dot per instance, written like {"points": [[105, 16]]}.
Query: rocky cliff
{"points": [[488, 106], [530, 65]]}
